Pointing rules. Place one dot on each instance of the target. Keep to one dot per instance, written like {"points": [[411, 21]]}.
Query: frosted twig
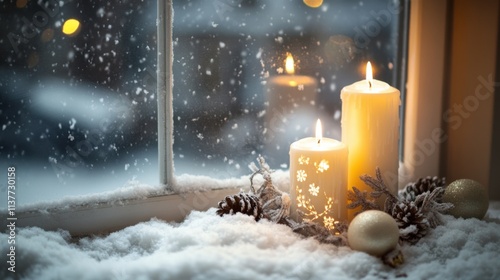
{"points": [[379, 187], [360, 198], [431, 208], [264, 170], [336, 237]]}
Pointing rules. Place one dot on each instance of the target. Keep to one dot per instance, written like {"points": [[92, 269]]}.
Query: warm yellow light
{"points": [[319, 131], [313, 3], [71, 26], [369, 73], [289, 67]]}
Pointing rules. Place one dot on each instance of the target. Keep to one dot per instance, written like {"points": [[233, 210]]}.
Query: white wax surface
{"points": [[370, 129], [364, 87], [311, 144]]}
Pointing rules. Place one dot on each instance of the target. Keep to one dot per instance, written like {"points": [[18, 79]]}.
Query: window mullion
{"points": [[164, 92]]}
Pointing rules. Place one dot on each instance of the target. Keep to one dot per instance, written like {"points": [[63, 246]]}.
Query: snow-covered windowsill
{"points": [[206, 246], [136, 202]]}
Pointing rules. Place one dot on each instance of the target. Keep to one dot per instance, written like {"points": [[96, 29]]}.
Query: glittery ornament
{"points": [[374, 232], [470, 199]]}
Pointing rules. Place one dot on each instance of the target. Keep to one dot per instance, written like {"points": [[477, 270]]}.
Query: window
{"points": [[78, 111], [227, 108]]}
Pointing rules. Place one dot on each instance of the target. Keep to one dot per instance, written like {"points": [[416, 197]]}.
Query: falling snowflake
{"points": [[322, 166], [303, 160], [313, 189], [301, 175], [329, 222]]}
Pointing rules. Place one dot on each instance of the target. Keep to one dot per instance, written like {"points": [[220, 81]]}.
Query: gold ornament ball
{"points": [[470, 199], [373, 232]]}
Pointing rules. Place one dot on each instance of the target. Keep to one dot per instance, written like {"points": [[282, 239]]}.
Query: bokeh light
{"points": [[21, 3], [71, 26], [313, 3]]}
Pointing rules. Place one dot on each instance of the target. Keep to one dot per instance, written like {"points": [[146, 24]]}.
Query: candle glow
{"points": [[313, 3]]}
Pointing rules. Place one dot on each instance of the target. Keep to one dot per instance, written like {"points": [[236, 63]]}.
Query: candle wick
{"points": [[319, 140], [370, 83]]}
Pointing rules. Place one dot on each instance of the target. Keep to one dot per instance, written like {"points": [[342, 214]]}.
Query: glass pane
{"points": [[232, 94], [77, 102]]}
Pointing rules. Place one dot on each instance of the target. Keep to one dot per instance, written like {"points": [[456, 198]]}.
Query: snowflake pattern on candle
{"points": [[301, 175], [313, 189], [304, 198], [322, 166], [303, 160]]}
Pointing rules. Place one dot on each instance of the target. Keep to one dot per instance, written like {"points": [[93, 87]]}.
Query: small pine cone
{"points": [[241, 203], [422, 185], [411, 222]]}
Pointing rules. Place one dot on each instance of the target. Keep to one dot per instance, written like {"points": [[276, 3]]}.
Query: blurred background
{"points": [[78, 84]]}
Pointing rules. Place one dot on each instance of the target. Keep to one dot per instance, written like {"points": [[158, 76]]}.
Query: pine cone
{"points": [[243, 203], [422, 185], [411, 222]]}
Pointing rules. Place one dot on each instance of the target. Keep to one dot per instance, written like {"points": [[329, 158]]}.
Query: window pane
{"points": [[77, 104], [228, 104]]}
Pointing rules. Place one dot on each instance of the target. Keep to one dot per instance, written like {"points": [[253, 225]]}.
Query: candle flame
{"points": [[369, 73], [289, 67], [319, 132]]}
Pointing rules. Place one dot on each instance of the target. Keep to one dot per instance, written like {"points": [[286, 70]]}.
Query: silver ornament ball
{"points": [[469, 198], [373, 232]]}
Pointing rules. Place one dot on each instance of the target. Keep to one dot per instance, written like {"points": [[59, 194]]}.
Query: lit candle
{"points": [[318, 175], [370, 129], [286, 93]]}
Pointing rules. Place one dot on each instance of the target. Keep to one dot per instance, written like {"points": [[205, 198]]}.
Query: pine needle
{"points": [[431, 208], [359, 198], [379, 188]]}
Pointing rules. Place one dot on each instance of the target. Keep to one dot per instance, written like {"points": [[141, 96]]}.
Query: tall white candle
{"points": [[318, 175], [370, 129]]}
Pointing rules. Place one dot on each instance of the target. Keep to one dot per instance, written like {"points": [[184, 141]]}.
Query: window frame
{"points": [[165, 93], [107, 217], [428, 37]]}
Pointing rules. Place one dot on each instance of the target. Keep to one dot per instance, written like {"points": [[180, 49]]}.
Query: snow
{"points": [[206, 246], [133, 190], [137, 190]]}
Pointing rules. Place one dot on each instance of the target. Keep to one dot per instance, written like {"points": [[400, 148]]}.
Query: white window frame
{"points": [[426, 25], [164, 92]]}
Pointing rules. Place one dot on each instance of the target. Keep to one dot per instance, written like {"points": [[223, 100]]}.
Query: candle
{"points": [[370, 129], [290, 99], [289, 92], [318, 175]]}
